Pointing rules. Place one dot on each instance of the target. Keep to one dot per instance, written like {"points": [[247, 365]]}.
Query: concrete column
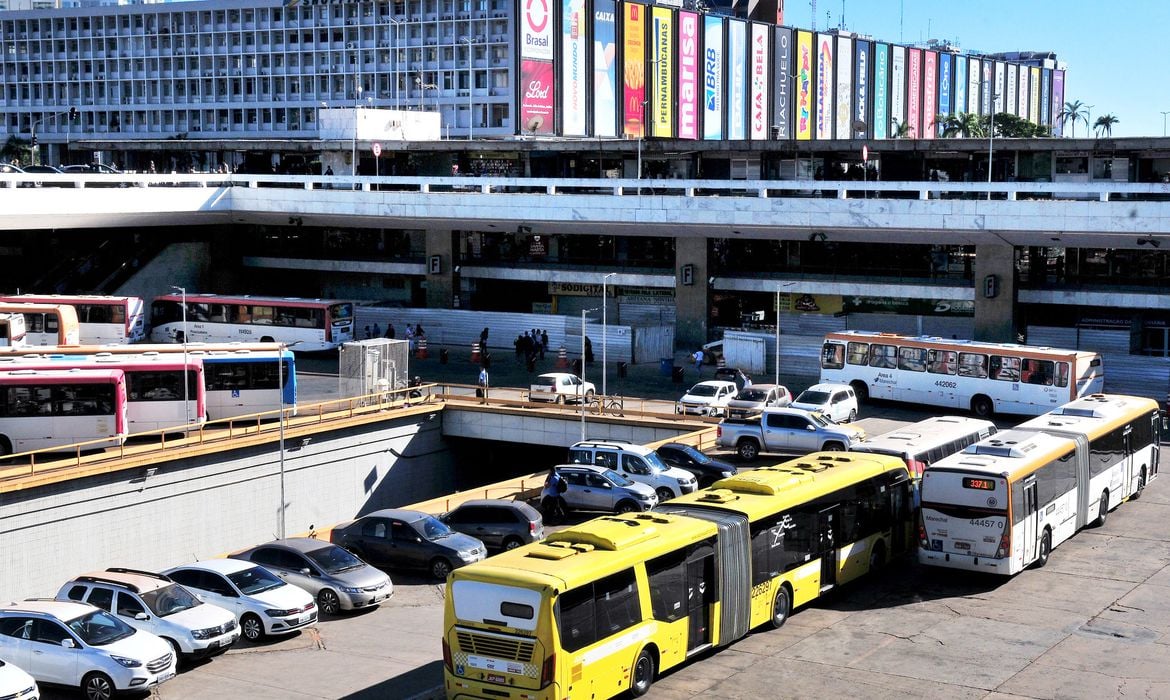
{"points": [[995, 316], [444, 284], [690, 292]]}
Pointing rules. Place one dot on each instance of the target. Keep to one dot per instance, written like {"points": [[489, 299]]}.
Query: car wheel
{"points": [[267, 339], [560, 399], [97, 686], [643, 675], [252, 628], [440, 568], [588, 397], [175, 650], [664, 494], [852, 415], [512, 543], [834, 446], [747, 450], [626, 507], [328, 602]]}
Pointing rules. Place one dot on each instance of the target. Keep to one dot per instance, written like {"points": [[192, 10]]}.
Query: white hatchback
{"points": [[561, 387], [262, 602], [709, 398], [16, 684]]}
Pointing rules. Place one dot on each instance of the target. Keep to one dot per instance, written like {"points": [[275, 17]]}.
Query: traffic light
{"points": [[34, 140], [72, 114]]}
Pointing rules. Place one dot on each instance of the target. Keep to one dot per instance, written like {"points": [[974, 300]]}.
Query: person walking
{"points": [[481, 389], [377, 331], [390, 331], [410, 338], [698, 358], [552, 502]]}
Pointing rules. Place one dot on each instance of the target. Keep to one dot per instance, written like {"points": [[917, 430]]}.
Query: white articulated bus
{"points": [[981, 377], [1004, 503], [923, 443]]}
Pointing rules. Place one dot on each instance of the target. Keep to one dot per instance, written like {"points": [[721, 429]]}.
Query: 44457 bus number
{"points": [[987, 522]]}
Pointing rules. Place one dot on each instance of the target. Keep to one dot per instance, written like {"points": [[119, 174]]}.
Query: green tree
{"points": [[15, 148], [1074, 112], [900, 130], [1011, 126], [965, 125], [1104, 125]]}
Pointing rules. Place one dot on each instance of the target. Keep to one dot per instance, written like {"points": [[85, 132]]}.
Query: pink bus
{"points": [[53, 409]]}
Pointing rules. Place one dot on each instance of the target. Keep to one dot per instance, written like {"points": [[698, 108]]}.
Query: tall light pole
{"points": [[604, 333], [1164, 124], [581, 396], [394, 64], [470, 86], [991, 144], [186, 400], [356, 105], [1089, 116], [280, 366]]}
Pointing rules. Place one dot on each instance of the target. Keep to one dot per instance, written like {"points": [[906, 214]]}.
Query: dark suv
{"points": [[398, 538], [498, 523]]}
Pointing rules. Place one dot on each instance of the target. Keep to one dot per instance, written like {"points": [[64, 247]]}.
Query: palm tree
{"points": [[964, 124], [14, 148], [900, 130], [1104, 124], [1073, 112]]}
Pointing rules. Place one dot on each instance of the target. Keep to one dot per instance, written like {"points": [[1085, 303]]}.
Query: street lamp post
{"points": [[991, 144], [604, 333], [1089, 116], [1164, 123], [357, 103], [581, 395], [280, 368], [394, 70], [470, 85], [186, 400]]}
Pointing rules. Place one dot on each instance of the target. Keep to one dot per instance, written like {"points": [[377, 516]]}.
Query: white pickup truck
{"points": [[786, 431]]}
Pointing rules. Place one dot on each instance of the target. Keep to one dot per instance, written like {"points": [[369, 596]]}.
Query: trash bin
{"points": [[676, 374], [664, 366], [622, 370], [442, 356]]}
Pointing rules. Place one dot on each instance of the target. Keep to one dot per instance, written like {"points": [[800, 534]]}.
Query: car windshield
{"points": [[100, 628], [655, 462], [431, 528], [695, 454], [702, 390], [334, 560], [752, 395], [814, 397], [169, 600], [255, 580], [616, 479]]}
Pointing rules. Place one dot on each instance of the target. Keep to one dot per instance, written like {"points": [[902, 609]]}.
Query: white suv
{"points": [[153, 603], [837, 401], [81, 646], [636, 463], [709, 398]]}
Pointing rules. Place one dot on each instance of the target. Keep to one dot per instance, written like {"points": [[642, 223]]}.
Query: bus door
{"points": [[700, 596], [1029, 536], [1129, 466], [827, 522]]}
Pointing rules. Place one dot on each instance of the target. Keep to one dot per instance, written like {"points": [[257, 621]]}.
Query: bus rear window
{"points": [[495, 604]]}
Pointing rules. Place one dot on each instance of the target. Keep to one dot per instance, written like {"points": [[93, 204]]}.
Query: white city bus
{"points": [[12, 333], [981, 377], [1007, 501], [46, 410], [923, 443], [310, 324], [101, 319], [46, 325]]}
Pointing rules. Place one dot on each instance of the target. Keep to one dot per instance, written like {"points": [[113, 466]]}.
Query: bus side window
{"points": [[1062, 374], [942, 361], [832, 356], [883, 356], [668, 586], [575, 613], [858, 354], [972, 365]]}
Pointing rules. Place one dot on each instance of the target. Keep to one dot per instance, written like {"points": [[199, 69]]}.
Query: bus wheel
{"points": [[1045, 548], [861, 389], [643, 674], [1103, 513], [982, 406], [877, 557], [781, 607], [1141, 486], [267, 339], [5, 447]]}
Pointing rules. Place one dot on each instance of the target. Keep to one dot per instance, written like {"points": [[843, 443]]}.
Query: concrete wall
{"points": [[181, 264], [562, 430], [442, 285], [995, 316], [690, 292]]}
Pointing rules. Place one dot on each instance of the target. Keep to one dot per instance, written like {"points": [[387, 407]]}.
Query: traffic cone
{"points": [[475, 352], [562, 358], [421, 353]]}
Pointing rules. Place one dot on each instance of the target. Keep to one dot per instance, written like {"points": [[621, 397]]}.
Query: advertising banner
{"points": [[1034, 88], [573, 67], [604, 68], [881, 91], [537, 97], [897, 87], [960, 94], [1057, 102], [944, 88], [1011, 90], [985, 88], [1045, 96], [782, 72], [688, 75], [662, 72], [914, 92], [737, 80], [929, 93], [974, 81], [861, 86], [1022, 94], [761, 48], [713, 60], [536, 29], [633, 69], [998, 97], [825, 91], [804, 86], [844, 87]]}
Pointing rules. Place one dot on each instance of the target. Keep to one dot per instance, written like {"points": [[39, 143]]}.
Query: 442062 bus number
{"points": [[946, 385], [987, 522]]}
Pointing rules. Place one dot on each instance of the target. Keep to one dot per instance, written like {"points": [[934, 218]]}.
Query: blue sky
{"points": [[1113, 50]]}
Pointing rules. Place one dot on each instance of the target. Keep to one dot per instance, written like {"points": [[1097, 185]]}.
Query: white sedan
{"points": [[561, 387], [709, 398], [15, 683]]}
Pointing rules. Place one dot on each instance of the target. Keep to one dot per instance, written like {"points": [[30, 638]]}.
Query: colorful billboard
{"points": [[1057, 102], [713, 60], [633, 69], [974, 80], [960, 93], [985, 88], [758, 116], [897, 88], [536, 30], [782, 72], [914, 92], [844, 121], [662, 72], [1012, 104], [573, 52], [1022, 94], [945, 86], [688, 75], [1034, 94], [998, 97], [804, 86], [537, 97], [881, 91], [825, 91], [1045, 96], [929, 94], [737, 80], [604, 68], [861, 87]]}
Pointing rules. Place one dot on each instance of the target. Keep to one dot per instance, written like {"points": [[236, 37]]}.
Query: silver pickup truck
{"points": [[786, 431]]}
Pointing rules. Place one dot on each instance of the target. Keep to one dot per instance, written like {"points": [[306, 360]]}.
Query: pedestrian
{"points": [[377, 331], [483, 336], [410, 338], [588, 350], [552, 500], [538, 338], [747, 381], [544, 339], [367, 333], [329, 171], [481, 388], [698, 358], [418, 331], [390, 331]]}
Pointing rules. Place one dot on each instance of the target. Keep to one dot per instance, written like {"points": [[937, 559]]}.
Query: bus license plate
{"points": [[495, 678], [963, 545]]}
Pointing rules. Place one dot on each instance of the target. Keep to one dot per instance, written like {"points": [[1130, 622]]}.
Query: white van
{"points": [[837, 401], [637, 463]]}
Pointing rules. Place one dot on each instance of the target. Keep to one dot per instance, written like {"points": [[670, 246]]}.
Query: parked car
{"points": [[786, 430], [753, 399], [408, 539], [591, 487], [156, 604], [837, 401], [561, 387], [499, 524], [45, 170], [706, 470], [263, 604], [15, 684], [731, 374], [637, 463], [10, 169], [78, 645], [338, 579], [95, 169], [709, 398]]}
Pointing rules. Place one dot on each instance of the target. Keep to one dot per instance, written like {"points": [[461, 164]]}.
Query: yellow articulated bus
{"points": [[600, 608]]}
